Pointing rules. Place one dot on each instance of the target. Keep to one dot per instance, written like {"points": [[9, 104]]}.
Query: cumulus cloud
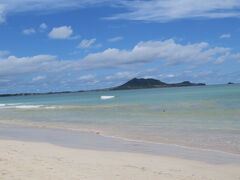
{"points": [[166, 53], [63, 32], [225, 36], [13, 65], [87, 77], [29, 31], [227, 56], [121, 75], [38, 78], [43, 26], [115, 39], [3, 53], [170, 75], [86, 43]]}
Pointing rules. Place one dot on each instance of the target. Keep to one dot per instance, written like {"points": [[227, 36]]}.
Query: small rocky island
{"points": [[132, 84], [152, 83]]}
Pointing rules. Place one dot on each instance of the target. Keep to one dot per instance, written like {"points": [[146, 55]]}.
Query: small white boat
{"points": [[106, 97]]}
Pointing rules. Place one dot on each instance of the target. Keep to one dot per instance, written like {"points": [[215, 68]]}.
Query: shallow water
{"points": [[83, 140], [203, 117]]}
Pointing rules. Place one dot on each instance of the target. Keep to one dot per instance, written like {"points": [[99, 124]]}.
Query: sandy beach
{"points": [[119, 90], [30, 160]]}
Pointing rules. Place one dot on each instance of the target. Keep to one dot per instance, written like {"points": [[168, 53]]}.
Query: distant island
{"points": [[135, 83], [152, 83]]}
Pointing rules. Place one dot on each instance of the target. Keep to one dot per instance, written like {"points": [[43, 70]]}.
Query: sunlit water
{"points": [[203, 117]]}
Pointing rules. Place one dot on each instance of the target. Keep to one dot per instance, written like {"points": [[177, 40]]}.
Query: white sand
{"points": [[42, 161]]}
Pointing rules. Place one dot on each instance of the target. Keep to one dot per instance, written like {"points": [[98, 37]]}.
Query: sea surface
{"points": [[204, 117]]}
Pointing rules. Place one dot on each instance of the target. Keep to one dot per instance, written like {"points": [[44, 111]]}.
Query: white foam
{"points": [[8, 106], [28, 106], [24, 106], [14, 104], [50, 107]]}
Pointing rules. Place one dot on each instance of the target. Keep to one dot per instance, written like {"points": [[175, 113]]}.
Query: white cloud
{"points": [[2, 13], [63, 32], [3, 53], [18, 70], [18, 6], [87, 77], [86, 43], [75, 37], [170, 75], [4, 80], [167, 10], [43, 26], [38, 78], [147, 10], [227, 56], [12, 65], [115, 39], [2, 19], [29, 31], [121, 75], [167, 52], [225, 36]]}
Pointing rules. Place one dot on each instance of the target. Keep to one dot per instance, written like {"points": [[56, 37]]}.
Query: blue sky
{"points": [[57, 45]]}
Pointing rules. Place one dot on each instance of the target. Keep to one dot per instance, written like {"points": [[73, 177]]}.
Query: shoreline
{"points": [[93, 141], [38, 160], [102, 133], [116, 88]]}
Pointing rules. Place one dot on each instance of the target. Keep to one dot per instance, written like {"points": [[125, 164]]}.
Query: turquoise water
{"points": [[203, 117]]}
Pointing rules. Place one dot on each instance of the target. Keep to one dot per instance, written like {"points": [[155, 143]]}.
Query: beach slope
{"points": [[43, 161]]}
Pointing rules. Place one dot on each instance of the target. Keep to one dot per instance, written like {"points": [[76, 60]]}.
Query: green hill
{"points": [[152, 83]]}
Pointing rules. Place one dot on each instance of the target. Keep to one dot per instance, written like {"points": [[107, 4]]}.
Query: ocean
{"points": [[204, 117]]}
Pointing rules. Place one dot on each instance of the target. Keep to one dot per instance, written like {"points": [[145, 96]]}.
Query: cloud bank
{"points": [[26, 71], [169, 52], [168, 10], [146, 10]]}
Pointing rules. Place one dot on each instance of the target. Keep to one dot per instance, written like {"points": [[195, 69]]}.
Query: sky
{"points": [[68, 45]]}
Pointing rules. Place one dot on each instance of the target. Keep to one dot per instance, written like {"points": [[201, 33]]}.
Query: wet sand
{"points": [[99, 142], [30, 160], [45, 153]]}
